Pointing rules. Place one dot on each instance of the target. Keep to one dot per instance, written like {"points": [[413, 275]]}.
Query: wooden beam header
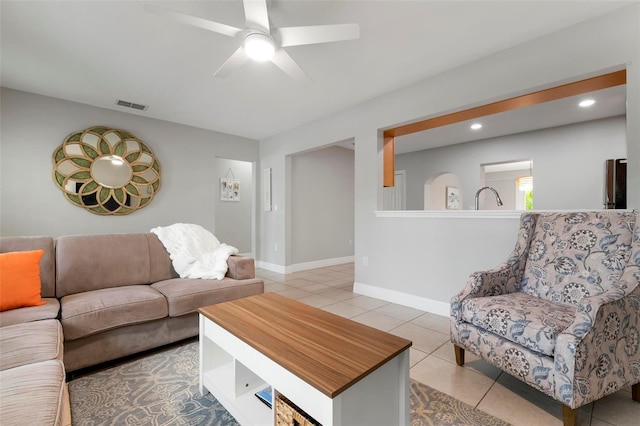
{"points": [[564, 91]]}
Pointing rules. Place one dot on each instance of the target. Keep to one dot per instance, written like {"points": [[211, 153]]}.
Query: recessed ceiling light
{"points": [[476, 126], [587, 103]]}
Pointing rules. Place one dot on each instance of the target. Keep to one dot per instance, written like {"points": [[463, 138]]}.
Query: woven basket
{"points": [[288, 414]]}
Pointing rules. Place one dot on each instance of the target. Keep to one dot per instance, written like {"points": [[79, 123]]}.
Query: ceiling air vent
{"points": [[128, 104]]}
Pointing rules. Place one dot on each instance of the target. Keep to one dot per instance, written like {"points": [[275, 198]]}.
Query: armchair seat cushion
{"points": [[521, 318]]}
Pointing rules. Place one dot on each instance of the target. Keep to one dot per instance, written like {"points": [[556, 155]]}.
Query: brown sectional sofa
{"points": [[114, 295], [120, 295]]}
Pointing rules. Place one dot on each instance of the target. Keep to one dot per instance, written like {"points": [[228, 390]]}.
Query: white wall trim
{"points": [[470, 214], [410, 300], [270, 267], [297, 267], [452, 214]]}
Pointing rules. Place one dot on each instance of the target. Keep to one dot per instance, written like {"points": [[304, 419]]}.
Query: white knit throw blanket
{"points": [[194, 251]]}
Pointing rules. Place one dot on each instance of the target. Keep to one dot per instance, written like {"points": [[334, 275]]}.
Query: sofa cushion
{"points": [[161, 265], [47, 262], [94, 262], [187, 295], [33, 394], [91, 312], [49, 310], [20, 279], [521, 318], [29, 343]]}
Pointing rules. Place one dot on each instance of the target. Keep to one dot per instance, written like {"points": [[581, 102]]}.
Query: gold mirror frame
{"points": [[72, 171]]}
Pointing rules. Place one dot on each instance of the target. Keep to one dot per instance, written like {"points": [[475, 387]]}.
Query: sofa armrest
{"points": [[241, 268], [600, 351], [503, 279]]}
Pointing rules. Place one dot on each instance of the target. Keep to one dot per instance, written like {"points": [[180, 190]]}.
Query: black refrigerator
{"points": [[615, 185]]}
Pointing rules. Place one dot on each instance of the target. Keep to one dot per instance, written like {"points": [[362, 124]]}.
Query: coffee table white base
{"points": [[233, 372]]}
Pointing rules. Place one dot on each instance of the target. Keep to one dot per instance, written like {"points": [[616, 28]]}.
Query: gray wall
{"points": [[420, 258], [234, 219], [322, 196], [568, 163], [32, 126]]}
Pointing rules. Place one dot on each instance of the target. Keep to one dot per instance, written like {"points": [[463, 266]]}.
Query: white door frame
{"points": [[395, 197]]}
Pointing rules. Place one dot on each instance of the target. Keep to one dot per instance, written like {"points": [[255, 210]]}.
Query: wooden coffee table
{"points": [[338, 371]]}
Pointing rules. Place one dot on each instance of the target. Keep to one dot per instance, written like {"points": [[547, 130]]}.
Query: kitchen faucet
{"points": [[498, 200]]}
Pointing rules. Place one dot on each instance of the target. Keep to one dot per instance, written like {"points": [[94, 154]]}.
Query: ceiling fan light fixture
{"points": [[259, 47]]}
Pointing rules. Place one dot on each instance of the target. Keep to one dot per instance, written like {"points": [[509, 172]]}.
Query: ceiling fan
{"points": [[260, 42]]}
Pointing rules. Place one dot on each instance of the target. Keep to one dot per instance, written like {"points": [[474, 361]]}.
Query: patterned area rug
{"points": [[162, 389]]}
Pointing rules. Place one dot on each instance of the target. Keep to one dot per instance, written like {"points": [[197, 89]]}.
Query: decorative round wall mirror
{"points": [[106, 171]]}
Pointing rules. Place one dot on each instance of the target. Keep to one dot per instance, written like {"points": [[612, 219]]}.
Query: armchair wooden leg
{"points": [[635, 392], [459, 355], [569, 416]]}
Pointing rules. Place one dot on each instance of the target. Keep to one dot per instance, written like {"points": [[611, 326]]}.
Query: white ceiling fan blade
{"points": [[296, 36], [255, 13], [289, 66], [194, 20], [238, 58]]}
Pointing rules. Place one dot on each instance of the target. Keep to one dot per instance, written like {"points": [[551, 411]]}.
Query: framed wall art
{"points": [[453, 198], [229, 189]]}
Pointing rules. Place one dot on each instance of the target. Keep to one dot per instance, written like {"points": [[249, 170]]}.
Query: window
{"points": [[513, 180]]}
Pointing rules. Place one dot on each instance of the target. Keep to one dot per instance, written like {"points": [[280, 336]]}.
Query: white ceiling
{"points": [[97, 52]]}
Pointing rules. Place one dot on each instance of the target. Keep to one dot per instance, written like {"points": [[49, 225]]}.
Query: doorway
{"points": [[235, 214], [395, 197]]}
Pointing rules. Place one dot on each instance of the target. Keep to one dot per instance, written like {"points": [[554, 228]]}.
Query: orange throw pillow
{"points": [[20, 279]]}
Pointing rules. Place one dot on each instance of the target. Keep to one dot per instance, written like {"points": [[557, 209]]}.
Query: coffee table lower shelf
{"points": [[233, 371], [245, 407]]}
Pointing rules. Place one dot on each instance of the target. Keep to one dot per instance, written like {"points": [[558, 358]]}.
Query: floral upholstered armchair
{"points": [[562, 313]]}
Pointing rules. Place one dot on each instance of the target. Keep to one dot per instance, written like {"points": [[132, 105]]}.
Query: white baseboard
{"points": [[297, 267], [270, 267], [410, 300]]}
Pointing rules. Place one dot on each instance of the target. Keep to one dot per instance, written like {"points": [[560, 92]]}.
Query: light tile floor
{"points": [[431, 356]]}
